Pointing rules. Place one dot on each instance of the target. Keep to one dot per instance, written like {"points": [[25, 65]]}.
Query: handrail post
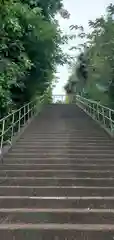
{"points": [[98, 111], [19, 127], [90, 107], [12, 129], [34, 108], [93, 111], [24, 114], [2, 136], [28, 109], [110, 118], [103, 116]]}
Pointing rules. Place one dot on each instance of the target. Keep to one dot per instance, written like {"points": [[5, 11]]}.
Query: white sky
{"points": [[81, 12]]}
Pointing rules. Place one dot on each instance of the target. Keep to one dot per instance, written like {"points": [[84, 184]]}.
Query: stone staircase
{"points": [[57, 183]]}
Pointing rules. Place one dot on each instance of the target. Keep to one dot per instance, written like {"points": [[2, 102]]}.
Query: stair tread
{"points": [[58, 210], [60, 197], [87, 227]]}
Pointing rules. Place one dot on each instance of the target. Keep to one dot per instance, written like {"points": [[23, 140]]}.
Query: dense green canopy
{"points": [[94, 71], [30, 49]]}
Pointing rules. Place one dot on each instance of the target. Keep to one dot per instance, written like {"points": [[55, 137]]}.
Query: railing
{"points": [[103, 115], [12, 124], [59, 98]]}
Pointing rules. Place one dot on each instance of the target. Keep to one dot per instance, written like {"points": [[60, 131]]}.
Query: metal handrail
{"points": [[59, 98], [102, 114], [11, 124], [92, 101]]}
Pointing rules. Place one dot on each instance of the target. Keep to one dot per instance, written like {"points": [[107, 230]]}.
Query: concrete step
{"points": [[56, 231], [61, 155], [61, 131], [52, 147], [44, 129], [76, 137], [56, 181], [57, 216], [107, 175], [65, 141], [55, 191], [62, 150], [76, 147], [44, 161], [89, 202], [82, 167], [74, 134], [59, 173]]}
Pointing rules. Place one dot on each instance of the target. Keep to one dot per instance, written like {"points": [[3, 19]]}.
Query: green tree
{"points": [[98, 53], [30, 49]]}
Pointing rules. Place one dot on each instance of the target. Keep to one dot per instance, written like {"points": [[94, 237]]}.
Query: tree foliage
{"points": [[95, 71], [30, 49]]}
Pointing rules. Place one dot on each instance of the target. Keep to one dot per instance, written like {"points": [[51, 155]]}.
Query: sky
{"points": [[81, 11]]}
